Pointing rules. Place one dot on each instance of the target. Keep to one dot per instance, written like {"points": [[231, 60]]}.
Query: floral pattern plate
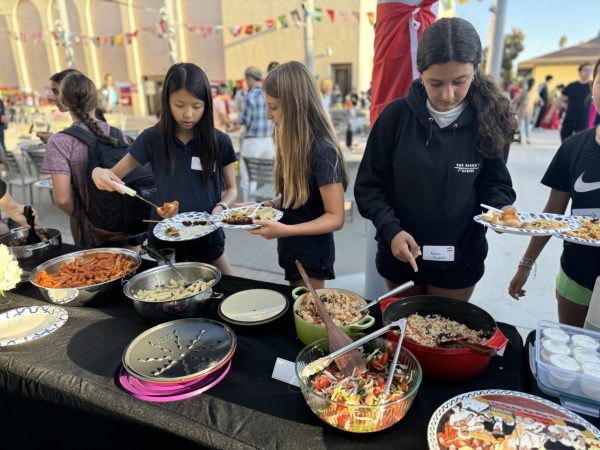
{"points": [[186, 233], [30, 323], [507, 419], [250, 209], [571, 222]]}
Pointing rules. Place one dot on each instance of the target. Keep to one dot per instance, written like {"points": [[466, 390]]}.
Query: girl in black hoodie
{"points": [[432, 157]]}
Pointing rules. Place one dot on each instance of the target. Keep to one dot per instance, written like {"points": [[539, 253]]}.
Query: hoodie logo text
{"points": [[466, 168]]}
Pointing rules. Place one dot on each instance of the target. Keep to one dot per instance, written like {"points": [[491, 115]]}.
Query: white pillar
{"points": [[497, 44], [62, 25], [309, 38], [374, 283]]}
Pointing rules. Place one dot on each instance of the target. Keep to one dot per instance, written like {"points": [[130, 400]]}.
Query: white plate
{"points": [[253, 307], [504, 411], [571, 222], [579, 240], [186, 232], [30, 323], [219, 221]]}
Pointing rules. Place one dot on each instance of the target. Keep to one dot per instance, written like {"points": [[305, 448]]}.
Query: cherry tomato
{"points": [[380, 363]]}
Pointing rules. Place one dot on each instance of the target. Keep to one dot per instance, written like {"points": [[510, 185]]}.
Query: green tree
{"points": [[513, 45], [562, 43]]}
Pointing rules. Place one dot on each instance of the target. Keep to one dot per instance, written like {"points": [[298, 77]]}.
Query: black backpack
{"points": [[113, 211]]}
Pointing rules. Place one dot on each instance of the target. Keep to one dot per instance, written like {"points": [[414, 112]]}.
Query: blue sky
{"points": [[542, 21]]}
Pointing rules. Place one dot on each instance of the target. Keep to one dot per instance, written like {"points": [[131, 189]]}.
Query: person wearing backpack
{"points": [[190, 159], [67, 160], [573, 175]]}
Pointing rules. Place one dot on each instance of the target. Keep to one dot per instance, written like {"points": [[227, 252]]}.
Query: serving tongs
{"points": [[348, 363], [401, 288], [158, 256], [319, 364], [32, 237]]}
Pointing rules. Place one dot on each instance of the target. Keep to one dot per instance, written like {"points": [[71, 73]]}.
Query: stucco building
{"points": [[129, 39], [562, 64]]}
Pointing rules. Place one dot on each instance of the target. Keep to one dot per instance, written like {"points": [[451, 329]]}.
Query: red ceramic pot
{"points": [[447, 363]]}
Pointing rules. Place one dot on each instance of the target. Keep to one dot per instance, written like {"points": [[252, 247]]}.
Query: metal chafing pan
{"points": [[173, 308]]}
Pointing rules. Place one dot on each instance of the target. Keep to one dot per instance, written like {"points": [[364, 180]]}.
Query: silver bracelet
{"points": [[222, 205]]}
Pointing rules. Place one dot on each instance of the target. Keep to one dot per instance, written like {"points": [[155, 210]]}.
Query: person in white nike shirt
{"points": [[573, 175]]}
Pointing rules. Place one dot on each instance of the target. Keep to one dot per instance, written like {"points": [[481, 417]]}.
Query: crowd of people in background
{"points": [[568, 108]]}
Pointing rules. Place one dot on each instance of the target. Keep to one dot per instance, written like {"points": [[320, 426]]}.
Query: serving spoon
{"points": [[321, 363], [350, 362], [32, 237], [157, 255], [463, 343]]}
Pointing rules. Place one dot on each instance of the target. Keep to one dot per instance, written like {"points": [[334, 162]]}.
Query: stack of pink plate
{"points": [[177, 360]]}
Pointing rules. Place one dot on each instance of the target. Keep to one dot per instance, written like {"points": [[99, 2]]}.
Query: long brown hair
{"points": [[79, 94], [303, 122], [455, 39]]}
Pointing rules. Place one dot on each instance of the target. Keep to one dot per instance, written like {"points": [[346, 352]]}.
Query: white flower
{"points": [[10, 272]]}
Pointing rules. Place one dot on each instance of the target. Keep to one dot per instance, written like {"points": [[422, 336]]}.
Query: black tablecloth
{"points": [[72, 373]]}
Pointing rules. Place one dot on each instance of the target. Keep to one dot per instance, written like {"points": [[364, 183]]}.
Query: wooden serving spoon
{"points": [[349, 363], [461, 342]]}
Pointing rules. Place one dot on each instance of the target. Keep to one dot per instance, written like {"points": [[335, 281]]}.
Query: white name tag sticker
{"points": [[285, 371], [438, 253], [196, 164]]}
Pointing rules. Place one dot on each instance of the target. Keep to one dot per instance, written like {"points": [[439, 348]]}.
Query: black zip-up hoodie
{"points": [[429, 181]]}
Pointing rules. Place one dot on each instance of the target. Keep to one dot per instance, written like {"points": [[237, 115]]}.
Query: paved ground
{"points": [[255, 257]]}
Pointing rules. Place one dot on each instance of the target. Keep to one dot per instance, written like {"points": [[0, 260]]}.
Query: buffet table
{"points": [[63, 389]]}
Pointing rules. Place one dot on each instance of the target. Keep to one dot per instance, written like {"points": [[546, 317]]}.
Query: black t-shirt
{"points": [[576, 170], [319, 250], [578, 108], [2, 188], [185, 184]]}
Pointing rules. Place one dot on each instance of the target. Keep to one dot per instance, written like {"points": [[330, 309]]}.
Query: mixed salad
{"points": [[362, 390]]}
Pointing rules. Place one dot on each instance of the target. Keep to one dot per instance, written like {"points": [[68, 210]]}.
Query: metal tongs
{"points": [[319, 364], [401, 288]]}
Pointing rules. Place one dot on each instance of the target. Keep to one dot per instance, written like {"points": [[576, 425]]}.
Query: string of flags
{"points": [[160, 28]]}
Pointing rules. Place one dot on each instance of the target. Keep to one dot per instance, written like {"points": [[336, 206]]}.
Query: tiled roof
{"points": [[588, 51]]}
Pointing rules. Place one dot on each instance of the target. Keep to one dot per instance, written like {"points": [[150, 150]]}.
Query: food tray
{"points": [[566, 385]]}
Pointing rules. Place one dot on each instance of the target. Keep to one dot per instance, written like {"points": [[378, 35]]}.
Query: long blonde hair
{"points": [[304, 121]]}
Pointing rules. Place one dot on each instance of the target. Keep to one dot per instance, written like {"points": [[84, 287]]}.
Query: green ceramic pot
{"points": [[309, 332]]}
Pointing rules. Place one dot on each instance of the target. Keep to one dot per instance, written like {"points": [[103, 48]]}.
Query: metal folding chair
{"points": [[19, 176], [261, 178]]}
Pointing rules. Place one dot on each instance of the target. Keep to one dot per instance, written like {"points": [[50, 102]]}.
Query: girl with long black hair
{"points": [[190, 159]]}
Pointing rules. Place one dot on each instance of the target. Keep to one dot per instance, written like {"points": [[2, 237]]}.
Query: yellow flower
{"points": [[10, 272]]}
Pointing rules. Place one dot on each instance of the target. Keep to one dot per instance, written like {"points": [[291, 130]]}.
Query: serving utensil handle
{"points": [[388, 385], [401, 288]]}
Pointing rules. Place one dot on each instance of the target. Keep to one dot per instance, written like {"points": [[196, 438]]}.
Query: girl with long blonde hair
{"points": [[310, 175]]}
